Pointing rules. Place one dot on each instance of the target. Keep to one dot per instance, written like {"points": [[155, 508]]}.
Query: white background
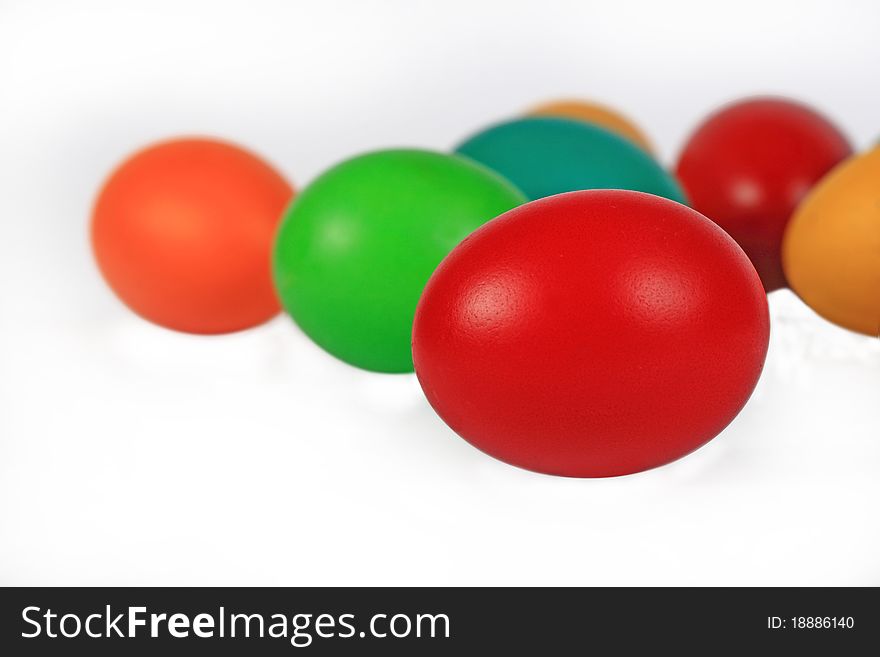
{"points": [[134, 455]]}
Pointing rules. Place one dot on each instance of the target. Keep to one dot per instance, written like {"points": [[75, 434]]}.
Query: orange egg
{"points": [[831, 249], [182, 232], [600, 115]]}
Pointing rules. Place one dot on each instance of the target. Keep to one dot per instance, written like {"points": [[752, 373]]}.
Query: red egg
{"points": [[592, 334], [749, 165]]}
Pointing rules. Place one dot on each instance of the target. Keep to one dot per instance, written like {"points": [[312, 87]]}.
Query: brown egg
{"points": [[831, 249], [602, 116]]}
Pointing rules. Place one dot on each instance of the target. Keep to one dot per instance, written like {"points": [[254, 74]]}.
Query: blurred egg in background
{"points": [[749, 164], [598, 114], [546, 155], [831, 251]]}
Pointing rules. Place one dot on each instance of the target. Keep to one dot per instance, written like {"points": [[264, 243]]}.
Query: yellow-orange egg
{"points": [[831, 250], [600, 115]]}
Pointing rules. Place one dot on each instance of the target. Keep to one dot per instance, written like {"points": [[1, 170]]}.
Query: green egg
{"points": [[357, 246], [549, 155]]}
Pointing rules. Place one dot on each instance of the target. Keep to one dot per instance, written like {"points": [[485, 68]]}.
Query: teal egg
{"points": [[549, 155]]}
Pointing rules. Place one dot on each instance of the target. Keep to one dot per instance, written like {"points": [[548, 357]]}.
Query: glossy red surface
{"points": [[592, 334], [749, 165]]}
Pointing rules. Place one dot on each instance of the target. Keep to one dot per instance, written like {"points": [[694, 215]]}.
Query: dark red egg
{"points": [[749, 165], [592, 334]]}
